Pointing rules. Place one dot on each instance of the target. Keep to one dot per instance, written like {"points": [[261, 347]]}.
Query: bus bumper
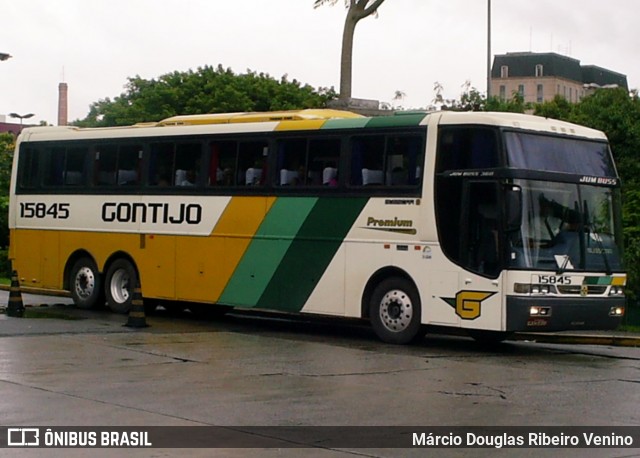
{"points": [[540, 314]]}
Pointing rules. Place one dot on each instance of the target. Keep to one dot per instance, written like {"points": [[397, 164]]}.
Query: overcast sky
{"points": [[94, 45]]}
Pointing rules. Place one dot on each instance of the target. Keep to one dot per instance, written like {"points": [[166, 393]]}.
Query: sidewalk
{"points": [[610, 338]]}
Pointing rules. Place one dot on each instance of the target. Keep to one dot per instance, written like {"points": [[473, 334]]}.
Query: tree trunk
{"points": [[358, 9], [346, 61]]}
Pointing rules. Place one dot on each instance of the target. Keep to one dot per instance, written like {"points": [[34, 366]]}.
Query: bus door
{"points": [[478, 303]]}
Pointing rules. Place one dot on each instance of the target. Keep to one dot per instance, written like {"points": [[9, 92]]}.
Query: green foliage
{"points": [[206, 90], [515, 104], [7, 145], [472, 100], [558, 108]]}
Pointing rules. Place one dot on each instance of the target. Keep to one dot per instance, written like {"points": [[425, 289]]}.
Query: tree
{"points": [[206, 90], [7, 145], [472, 100], [356, 10]]}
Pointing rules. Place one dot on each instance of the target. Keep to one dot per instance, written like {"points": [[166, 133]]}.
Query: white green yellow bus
{"points": [[490, 222]]}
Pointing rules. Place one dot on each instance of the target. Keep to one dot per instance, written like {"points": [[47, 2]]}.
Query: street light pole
{"points": [[488, 49], [22, 117]]}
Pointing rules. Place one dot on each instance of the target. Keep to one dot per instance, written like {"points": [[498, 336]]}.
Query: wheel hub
{"points": [[85, 282], [120, 286], [396, 310]]}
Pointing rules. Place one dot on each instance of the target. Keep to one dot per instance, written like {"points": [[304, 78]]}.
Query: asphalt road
{"points": [[64, 366]]}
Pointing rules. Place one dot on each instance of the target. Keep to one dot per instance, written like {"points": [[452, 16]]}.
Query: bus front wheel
{"points": [[121, 280], [86, 284], [395, 311]]}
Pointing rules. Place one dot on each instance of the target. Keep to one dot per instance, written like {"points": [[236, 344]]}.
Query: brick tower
{"points": [[62, 104]]}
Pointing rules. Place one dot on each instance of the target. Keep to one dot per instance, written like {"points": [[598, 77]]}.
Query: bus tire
{"points": [[85, 283], [120, 282], [395, 311]]}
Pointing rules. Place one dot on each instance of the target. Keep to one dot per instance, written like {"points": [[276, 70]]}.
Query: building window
{"points": [[540, 93], [504, 71], [503, 92], [539, 71], [521, 90]]}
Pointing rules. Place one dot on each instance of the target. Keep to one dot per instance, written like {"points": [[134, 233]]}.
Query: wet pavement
{"points": [[64, 366]]}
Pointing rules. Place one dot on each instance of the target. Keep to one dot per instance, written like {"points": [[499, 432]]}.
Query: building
{"points": [[9, 127], [539, 77]]}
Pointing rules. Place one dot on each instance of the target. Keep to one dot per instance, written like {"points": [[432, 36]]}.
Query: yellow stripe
{"points": [[618, 281], [209, 262], [312, 124], [170, 266]]}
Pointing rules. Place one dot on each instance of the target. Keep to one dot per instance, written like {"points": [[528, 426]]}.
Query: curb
{"points": [[580, 339], [40, 291]]}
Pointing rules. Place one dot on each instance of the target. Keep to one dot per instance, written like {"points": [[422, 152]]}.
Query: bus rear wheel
{"points": [[86, 284], [395, 311], [121, 279]]}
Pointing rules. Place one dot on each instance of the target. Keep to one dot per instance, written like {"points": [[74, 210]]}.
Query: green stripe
{"points": [[349, 123], [597, 280], [311, 252], [408, 120], [266, 250]]}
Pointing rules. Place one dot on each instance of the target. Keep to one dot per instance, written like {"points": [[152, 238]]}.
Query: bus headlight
{"points": [[616, 291], [539, 311], [535, 289], [616, 311]]}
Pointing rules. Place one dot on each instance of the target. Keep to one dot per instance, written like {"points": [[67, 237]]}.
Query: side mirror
{"points": [[513, 208]]}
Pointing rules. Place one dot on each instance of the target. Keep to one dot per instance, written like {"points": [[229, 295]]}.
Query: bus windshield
{"points": [[567, 227], [551, 154]]}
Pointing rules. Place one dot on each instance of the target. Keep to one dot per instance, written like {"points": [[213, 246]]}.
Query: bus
{"points": [[493, 223]]}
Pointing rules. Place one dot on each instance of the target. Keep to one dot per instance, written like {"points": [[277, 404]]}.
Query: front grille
{"points": [[576, 289]]}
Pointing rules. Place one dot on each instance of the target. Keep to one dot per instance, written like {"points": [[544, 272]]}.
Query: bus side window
{"points": [[367, 160], [75, 168], [291, 163], [105, 169], [30, 158], [187, 164], [323, 158], [391, 160], [66, 166], [161, 164], [54, 170], [129, 158], [223, 163], [252, 163], [403, 159], [462, 148]]}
